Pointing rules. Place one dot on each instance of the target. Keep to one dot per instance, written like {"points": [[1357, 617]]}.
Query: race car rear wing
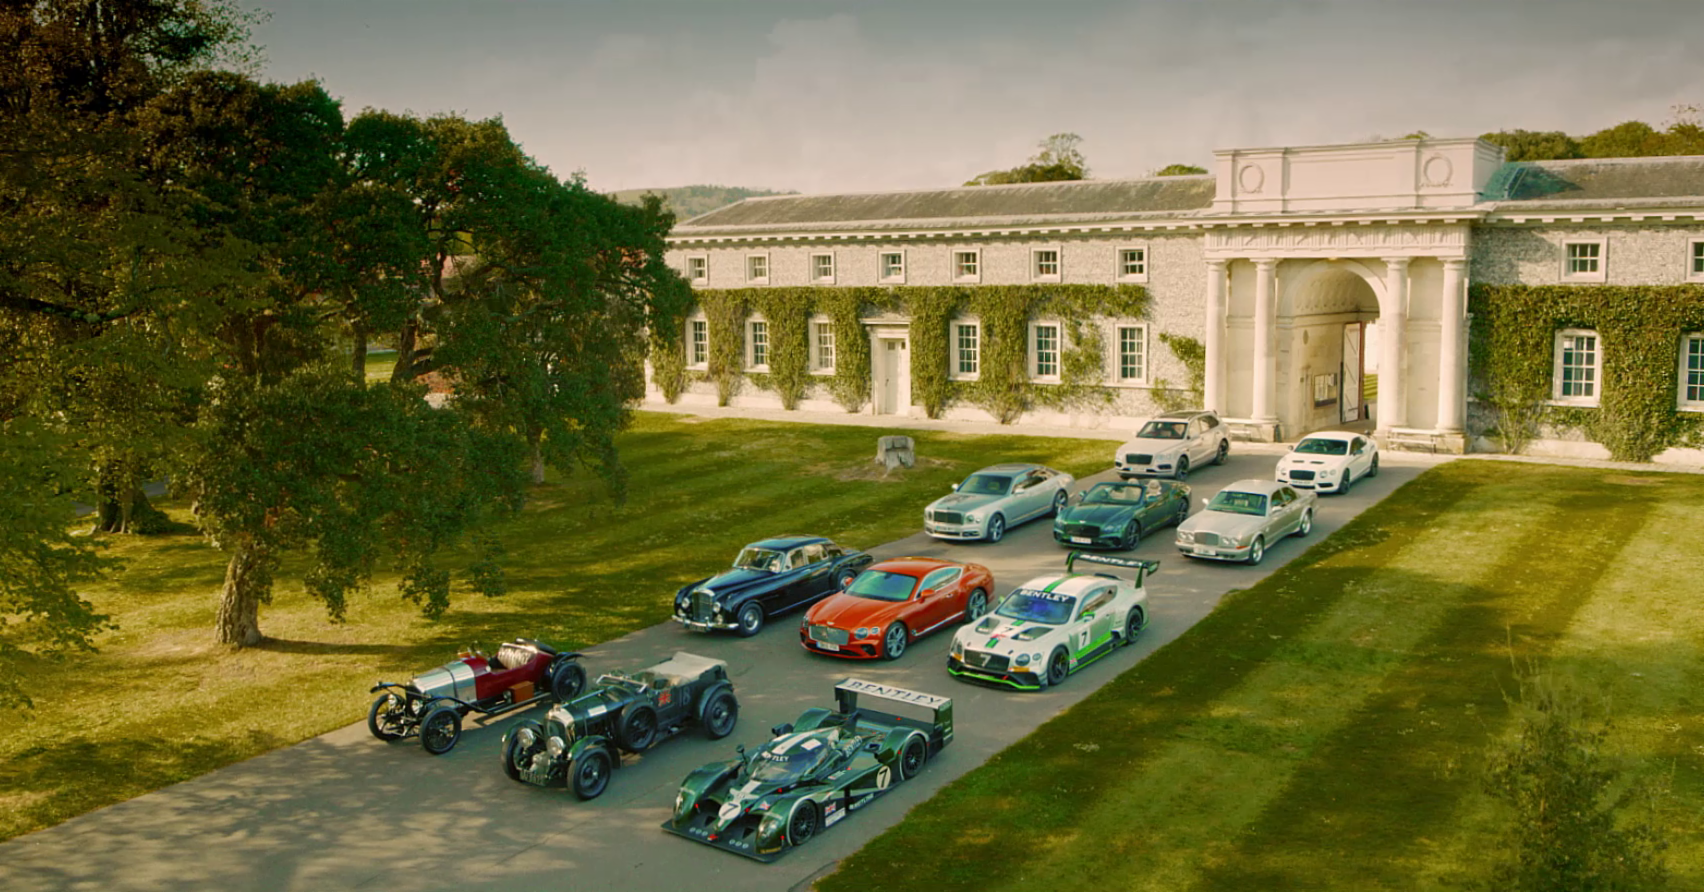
{"points": [[848, 692], [1141, 567]]}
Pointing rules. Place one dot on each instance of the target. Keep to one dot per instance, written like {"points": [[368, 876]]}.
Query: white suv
{"points": [[1170, 444]]}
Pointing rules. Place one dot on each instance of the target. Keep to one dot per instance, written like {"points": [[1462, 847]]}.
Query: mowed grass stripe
{"points": [[1032, 795], [1365, 810], [1183, 810]]}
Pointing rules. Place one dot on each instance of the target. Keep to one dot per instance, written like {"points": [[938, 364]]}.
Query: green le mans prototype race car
{"points": [[1052, 626], [815, 772]]}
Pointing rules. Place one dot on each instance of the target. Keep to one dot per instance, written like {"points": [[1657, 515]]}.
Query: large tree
{"points": [[1058, 158]]}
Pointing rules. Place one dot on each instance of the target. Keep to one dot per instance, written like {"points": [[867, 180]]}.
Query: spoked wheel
{"points": [[591, 774], [720, 715], [567, 680], [638, 729], [975, 606], [1182, 512], [1058, 504], [1224, 450], [912, 757], [518, 748], [1374, 470], [384, 717], [1182, 472], [1306, 526], [750, 620], [803, 825], [440, 730], [894, 641], [1348, 481], [1257, 550], [1134, 622], [1058, 666], [1132, 535], [996, 528]]}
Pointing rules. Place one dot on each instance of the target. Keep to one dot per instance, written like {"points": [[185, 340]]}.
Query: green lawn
{"points": [[1327, 729], [160, 703]]}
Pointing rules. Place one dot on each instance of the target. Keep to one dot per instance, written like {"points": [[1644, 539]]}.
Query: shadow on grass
{"points": [[288, 646]]}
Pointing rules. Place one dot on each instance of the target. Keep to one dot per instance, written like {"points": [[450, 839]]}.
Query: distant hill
{"points": [[690, 201]]}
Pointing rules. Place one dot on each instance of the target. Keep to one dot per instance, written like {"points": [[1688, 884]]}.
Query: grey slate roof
{"points": [[1596, 182], [1027, 203]]}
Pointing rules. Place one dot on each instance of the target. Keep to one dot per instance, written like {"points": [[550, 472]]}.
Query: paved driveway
{"points": [[343, 811]]}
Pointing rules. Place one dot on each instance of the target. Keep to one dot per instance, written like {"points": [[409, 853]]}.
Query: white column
{"points": [[1265, 358], [1393, 322], [1452, 394], [1213, 385]]}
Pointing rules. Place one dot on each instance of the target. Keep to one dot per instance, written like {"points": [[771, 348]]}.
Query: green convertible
{"points": [[815, 772], [1118, 515]]}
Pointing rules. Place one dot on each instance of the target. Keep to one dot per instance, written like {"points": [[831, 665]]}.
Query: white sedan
{"points": [[1329, 461]]}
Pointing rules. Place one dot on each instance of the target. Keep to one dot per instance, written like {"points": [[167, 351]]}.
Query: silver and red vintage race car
{"points": [[520, 673]]}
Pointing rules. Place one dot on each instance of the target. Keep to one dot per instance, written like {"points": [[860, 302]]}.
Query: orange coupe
{"points": [[894, 603]]}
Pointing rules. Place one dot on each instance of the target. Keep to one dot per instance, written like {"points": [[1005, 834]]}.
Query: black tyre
{"points": [[1374, 470], [516, 756], [749, 621], [911, 758], [440, 730], [637, 729], [1306, 526], [803, 824], [1257, 551], [1182, 512], [996, 528], [975, 606], [591, 774], [1132, 535], [1058, 504], [894, 641], [846, 577], [1224, 451], [1134, 622], [720, 715], [1182, 472], [1348, 481], [1058, 666], [567, 680], [384, 717]]}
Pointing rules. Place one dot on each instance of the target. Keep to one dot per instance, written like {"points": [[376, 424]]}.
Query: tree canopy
{"points": [[1059, 158], [1179, 170], [1682, 135]]}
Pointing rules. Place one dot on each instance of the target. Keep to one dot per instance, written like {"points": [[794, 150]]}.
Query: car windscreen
{"points": [[1037, 606], [1162, 430], [1239, 503], [986, 485], [1114, 494], [771, 767], [752, 558], [882, 585], [1318, 446]]}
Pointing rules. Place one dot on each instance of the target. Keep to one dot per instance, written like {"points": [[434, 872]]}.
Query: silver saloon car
{"points": [[995, 499], [1245, 519]]}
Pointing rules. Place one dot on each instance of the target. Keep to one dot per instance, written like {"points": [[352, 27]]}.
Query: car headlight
{"points": [[958, 648], [770, 827], [525, 738], [555, 746], [1327, 472], [972, 518], [1023, 659], [680, 802], [1185, 537], [868, 632]]}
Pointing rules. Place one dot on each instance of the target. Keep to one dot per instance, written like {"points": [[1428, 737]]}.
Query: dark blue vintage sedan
{"points": [[768, 578]]}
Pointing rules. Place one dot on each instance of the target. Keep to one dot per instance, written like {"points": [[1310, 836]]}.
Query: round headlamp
{"points": [[526, 738], [1023, 659], [555, 746]]}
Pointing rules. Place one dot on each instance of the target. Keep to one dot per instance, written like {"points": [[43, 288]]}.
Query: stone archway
{"points": [[1324, 311]]}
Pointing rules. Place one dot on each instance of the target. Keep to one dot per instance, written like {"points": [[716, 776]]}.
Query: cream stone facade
{"points": [[1304, 271]]}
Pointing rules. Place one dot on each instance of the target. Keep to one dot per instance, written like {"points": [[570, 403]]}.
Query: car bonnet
{"points": [[960, 501]]}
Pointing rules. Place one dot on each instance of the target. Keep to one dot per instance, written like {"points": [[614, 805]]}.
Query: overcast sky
{"points": [[867, 95]]}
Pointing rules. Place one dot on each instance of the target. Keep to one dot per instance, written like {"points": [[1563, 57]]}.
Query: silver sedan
{"points": [[1245, 519]]}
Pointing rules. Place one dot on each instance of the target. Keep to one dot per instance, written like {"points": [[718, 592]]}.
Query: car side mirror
{"points": [[955, 488], [1087, 616], [1204, 501], [927, 593], [781, 729]]}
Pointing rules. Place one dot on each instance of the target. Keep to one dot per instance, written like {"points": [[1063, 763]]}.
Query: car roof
{"points": [[1182, 414], [1332, 435], [1010, 467], [913, 566], [1262, 487], [781, 543]]}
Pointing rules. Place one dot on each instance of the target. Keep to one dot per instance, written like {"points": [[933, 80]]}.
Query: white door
{"points": [[1349, 395], [887, 377]]}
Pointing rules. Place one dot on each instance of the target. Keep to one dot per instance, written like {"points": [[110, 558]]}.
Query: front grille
{"points": [[1085, 530], [946, 516], [981, 660], [1301, 475], [830, 634], [703, 606], [540, 777], [1138, 458], [1206, 538]]}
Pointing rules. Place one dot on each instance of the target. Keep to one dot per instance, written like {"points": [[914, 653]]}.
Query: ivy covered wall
{"points": [[1640, 331]]}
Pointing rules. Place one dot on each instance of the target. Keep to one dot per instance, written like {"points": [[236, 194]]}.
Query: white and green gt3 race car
{"points": [[1051, 626]]}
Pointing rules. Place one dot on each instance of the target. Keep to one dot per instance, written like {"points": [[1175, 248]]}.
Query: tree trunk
{"points": [[536, 440], [248, 583], [358, 356], [404, 369]]}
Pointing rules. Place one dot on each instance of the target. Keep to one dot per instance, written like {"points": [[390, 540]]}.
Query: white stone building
{"points": [[1299, 269]]}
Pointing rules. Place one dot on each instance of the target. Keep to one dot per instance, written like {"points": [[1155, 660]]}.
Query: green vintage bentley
{"points": [[813, 773], [1118, 515]]}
